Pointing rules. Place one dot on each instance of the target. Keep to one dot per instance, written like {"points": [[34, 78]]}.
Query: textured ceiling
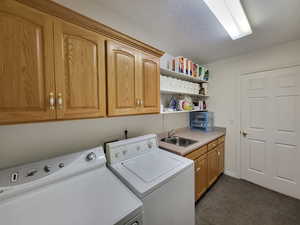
{"points": [[188, 28]]}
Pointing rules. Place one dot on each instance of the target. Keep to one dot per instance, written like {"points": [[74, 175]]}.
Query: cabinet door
{"points": [[79, 72], [201, 173], [26, 64], [213, 166], [221, 158], [150, 87], [122, 70]]}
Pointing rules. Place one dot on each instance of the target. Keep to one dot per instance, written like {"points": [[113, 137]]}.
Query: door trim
{"points": [[238, 174], [267, 73]]}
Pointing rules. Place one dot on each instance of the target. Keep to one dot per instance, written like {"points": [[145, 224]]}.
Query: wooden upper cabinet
{"points": [[122, 82], [150, 84], [26, 64], [79, 72], [52, 69], [133, 81]]}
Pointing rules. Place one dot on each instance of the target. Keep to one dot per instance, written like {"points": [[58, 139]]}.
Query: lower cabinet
{"points": [[209, 165], [200, 176], [213, 166], [220, 150]]}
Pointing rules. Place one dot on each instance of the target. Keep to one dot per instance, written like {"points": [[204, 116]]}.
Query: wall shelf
{"points": [[181, 76], [181, 93], [183, 111]]}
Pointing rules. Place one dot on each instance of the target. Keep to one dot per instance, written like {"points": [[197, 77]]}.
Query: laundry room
{"points": [[134, 112]]}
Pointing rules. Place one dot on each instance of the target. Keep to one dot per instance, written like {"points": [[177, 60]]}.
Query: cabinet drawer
{"points": [[197, 153], [221, 140], [212, 145]]}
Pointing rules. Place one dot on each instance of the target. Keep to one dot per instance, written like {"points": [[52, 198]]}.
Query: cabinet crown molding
{"points": [[54, 9]]}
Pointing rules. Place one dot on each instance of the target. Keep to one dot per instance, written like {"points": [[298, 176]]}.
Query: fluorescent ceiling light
{"points": [[231, 15]]}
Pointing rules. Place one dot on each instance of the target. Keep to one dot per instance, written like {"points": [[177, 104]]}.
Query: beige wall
{"points": [[99, 12], [29, 142], [224, 90]]}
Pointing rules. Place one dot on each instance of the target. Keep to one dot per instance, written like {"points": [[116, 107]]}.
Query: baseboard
{"points": [[231, 174]]}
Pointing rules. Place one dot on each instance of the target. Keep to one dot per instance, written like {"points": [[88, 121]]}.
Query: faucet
{"points": [[171, 133]]}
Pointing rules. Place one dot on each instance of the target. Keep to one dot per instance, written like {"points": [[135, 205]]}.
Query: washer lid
{"points": [[149, 167], [147, 172]]}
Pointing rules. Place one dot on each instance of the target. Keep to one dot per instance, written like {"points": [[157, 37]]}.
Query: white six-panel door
{"points": [[270, 129]]}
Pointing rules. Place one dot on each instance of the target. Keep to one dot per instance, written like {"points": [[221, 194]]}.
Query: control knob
{"points": [[91, 156], [150, 144], [47, 169]]}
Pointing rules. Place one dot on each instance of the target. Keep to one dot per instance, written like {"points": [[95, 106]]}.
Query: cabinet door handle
{"points": [[59, 100], [51, 101], [139, 102], [198, 169], [142, 102], [219, 153]]}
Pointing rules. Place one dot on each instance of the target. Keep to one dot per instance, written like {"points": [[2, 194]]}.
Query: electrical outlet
{"points": [[122, 133]]}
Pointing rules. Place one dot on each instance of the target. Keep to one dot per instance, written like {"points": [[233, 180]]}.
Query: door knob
{"points": [[244, 133]]}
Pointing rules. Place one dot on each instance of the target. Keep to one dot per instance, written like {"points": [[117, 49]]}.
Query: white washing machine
{"points": [[75, 189], [162, 180]]}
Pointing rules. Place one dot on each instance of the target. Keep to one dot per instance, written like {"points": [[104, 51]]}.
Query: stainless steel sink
{"points": [[179, 141]]}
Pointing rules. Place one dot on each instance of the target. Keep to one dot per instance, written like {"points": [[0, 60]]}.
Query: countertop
{"points": [[201, 137]]}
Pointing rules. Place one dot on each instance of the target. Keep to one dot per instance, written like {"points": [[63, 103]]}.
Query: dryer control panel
{"points": [[130, 148], [61, 166]]}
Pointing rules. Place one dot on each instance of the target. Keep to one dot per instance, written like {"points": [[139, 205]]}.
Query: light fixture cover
{"points": [[231, 15]]}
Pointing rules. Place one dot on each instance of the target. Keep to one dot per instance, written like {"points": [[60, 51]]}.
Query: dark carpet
{"points": [[237, 202]]}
